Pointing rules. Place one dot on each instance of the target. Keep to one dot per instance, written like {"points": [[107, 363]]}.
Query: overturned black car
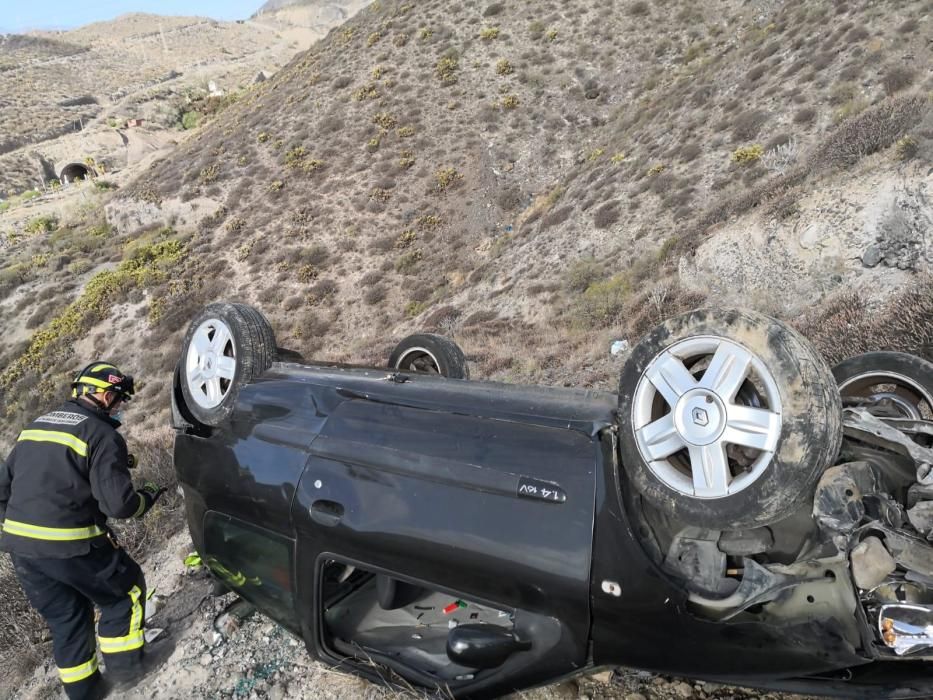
{"points": [[738, 512]]}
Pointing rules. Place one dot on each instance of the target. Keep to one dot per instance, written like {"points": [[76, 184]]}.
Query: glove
{"points": [[132, 463], [150, 493]]}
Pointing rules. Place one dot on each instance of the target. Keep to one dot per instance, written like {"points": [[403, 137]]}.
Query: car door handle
{"points": [[326, 513]]}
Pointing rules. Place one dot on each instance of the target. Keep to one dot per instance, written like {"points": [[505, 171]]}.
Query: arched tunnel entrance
{"points": [[73, 172]]}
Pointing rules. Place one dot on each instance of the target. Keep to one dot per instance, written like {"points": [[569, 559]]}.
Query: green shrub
{"points": [[446, 70], [190, 120], [41, 224], [747, 154], [510, 102], [407, 261], [489, 33], [603, 303], [503, 67], [447, 178], [582, 273]]}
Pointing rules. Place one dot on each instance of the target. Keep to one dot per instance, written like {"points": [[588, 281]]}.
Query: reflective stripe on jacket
{"points": [[67, 473]]}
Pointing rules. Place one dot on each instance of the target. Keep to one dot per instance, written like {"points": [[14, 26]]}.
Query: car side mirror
{"points": [[483, 646]]}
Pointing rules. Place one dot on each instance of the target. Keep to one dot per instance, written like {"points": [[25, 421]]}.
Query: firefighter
{"points": [[68, 473]]}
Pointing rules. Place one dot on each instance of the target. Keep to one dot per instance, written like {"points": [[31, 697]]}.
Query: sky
{"points": [[20, 15]]}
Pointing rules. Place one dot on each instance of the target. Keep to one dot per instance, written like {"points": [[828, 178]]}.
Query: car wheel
{"points": [[890, 384], [728, 418], [226, 346], [427, 352]]}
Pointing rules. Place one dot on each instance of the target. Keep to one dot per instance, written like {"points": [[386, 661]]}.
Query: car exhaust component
{"points": [[906, 628]]}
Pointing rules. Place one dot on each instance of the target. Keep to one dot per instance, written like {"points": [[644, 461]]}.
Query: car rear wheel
{"points": [[889, 384], [728, 418], [226, 346], [427, 352]]}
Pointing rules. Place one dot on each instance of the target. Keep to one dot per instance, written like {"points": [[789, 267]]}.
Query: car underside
{"points": [[736, 512]]}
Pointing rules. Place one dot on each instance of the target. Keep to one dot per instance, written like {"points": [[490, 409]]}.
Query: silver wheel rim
{"points": [[871, 380], [210, 363], [709, 437], [418, 360]]}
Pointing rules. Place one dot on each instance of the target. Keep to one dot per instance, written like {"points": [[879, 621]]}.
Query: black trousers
{"points": [[65, 591]]}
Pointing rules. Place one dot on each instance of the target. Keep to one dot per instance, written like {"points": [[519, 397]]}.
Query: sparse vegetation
{"points": [[503, 67], [489, 33], [447, 178], [747, 154]]}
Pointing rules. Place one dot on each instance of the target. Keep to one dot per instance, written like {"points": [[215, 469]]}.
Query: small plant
{"points": [[747, 154], [235, 225], [446, 178], [406, 160], [263, 137], [781, 157], [373, 144], [276, 186], [551, 35], [489, 33], [414, 308], [404, 132], [380, 195], [384, 120], [400, 40], [367, 92], [906, 148], [243, 252], [407, 261], [446, 70], [208, 175], [41, 224], [307, 273], [595, 154], [190, 120], [656, 169], [373, 39], [405, 239], [424, 33], [294, 156], [617, 158], [377, 72], [503, 67], [346, 36], [510, 102], [429, 222]]}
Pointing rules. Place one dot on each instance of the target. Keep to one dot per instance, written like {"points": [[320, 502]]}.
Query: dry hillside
{"points": [[66, 95], [533, 178]]}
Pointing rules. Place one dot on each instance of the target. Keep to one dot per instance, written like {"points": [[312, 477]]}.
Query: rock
{"points": [[635, 696], [872, 256], [278, 692], [682, 690], [602, 676], [617, 347], [206, 659]]}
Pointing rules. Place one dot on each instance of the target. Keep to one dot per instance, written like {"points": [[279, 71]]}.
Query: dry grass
{"points": [[848, 325]]}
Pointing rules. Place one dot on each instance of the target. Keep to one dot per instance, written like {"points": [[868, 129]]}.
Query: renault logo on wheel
{"points": [[700, 417]]}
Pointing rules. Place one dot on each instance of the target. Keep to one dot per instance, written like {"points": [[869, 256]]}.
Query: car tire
{"points": [[427, 352], [226, 346], [903, 382], [727, 419]]}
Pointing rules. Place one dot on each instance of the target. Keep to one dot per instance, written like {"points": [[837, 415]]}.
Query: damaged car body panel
{"points": [[483, 538]]}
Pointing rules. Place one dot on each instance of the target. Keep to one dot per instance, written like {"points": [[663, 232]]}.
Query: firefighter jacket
{"points": [[67, 473]]}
